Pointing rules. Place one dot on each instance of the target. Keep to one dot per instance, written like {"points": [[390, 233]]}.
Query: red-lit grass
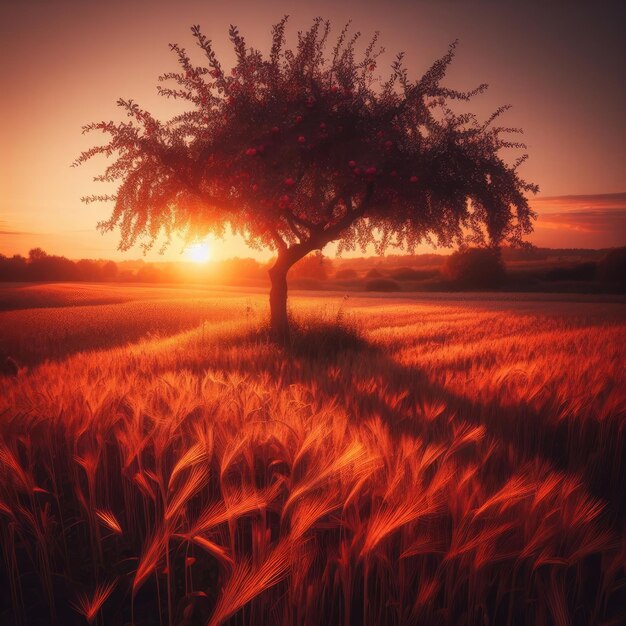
{"points": [[459, 463]]}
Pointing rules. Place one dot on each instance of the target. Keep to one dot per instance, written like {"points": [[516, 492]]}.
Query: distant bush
{"points": [[612, 266], [14, 268], [407, 273], [313, 266], [475, 268], [373, 273], [580, 271], [382, 284], [347, 274]]}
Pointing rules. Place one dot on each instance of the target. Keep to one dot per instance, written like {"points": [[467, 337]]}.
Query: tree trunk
{"points": [[279, 324]]}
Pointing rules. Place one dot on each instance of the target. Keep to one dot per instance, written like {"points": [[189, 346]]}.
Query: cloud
{"points": [[9, 232], [15, 232], [591, 221], [575, 203]]}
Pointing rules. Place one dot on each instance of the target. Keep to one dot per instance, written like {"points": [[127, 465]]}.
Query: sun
{"points": [[198, 252]]}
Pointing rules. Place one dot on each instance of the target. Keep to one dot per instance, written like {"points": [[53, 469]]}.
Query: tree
{"points": [[109, 271], [612, 266], [307, 146], [476, 268]]}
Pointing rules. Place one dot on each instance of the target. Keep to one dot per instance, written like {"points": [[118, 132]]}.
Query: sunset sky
{"points": [[65, 63]]}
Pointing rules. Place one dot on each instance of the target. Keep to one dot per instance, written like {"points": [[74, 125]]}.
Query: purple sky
{"points": [[561, 65]]}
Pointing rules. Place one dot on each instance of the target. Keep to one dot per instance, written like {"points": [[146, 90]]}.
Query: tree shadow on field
{"points": [[338, 364]]}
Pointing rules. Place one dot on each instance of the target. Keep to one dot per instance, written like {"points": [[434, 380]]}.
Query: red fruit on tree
{"points": [[334, 88], [283, 202], [352, 163], [298, 119], [323, 125], [413, 179], [290, 182], [255, 187], [371, 171], [275, 130], [301, 139], [251, 152]]}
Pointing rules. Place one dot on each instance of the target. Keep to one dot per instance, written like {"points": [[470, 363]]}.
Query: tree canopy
{"points": [[300, 145]]}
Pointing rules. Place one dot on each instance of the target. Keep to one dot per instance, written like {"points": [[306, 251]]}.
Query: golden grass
{"points": [[439, 462]]}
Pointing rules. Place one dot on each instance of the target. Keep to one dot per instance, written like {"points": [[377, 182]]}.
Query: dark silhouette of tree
{"points": [[41, 266], [475, 268], [37, 254], [13, 268], [612, 266], [88, 270], [308, 146], [109, 271]]}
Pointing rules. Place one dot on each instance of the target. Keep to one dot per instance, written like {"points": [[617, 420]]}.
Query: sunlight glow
{"points": [[198, 252]]}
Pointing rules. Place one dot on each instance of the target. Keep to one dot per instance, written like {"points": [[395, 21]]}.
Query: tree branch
{"points": [[332, 232], [289, 217], [278, 240]]}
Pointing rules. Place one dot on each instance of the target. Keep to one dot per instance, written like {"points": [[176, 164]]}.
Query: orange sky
{"points": [[65, 63]]}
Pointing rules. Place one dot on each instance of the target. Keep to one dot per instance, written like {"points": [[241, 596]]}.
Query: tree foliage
{"points": [[309, 145]]}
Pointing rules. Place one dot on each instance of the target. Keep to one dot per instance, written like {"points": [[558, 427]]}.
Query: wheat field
{"points": [[409, 460]]}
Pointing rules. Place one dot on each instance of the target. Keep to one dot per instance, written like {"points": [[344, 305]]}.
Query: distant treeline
{"points": [[39, 266], [520, 270]]}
